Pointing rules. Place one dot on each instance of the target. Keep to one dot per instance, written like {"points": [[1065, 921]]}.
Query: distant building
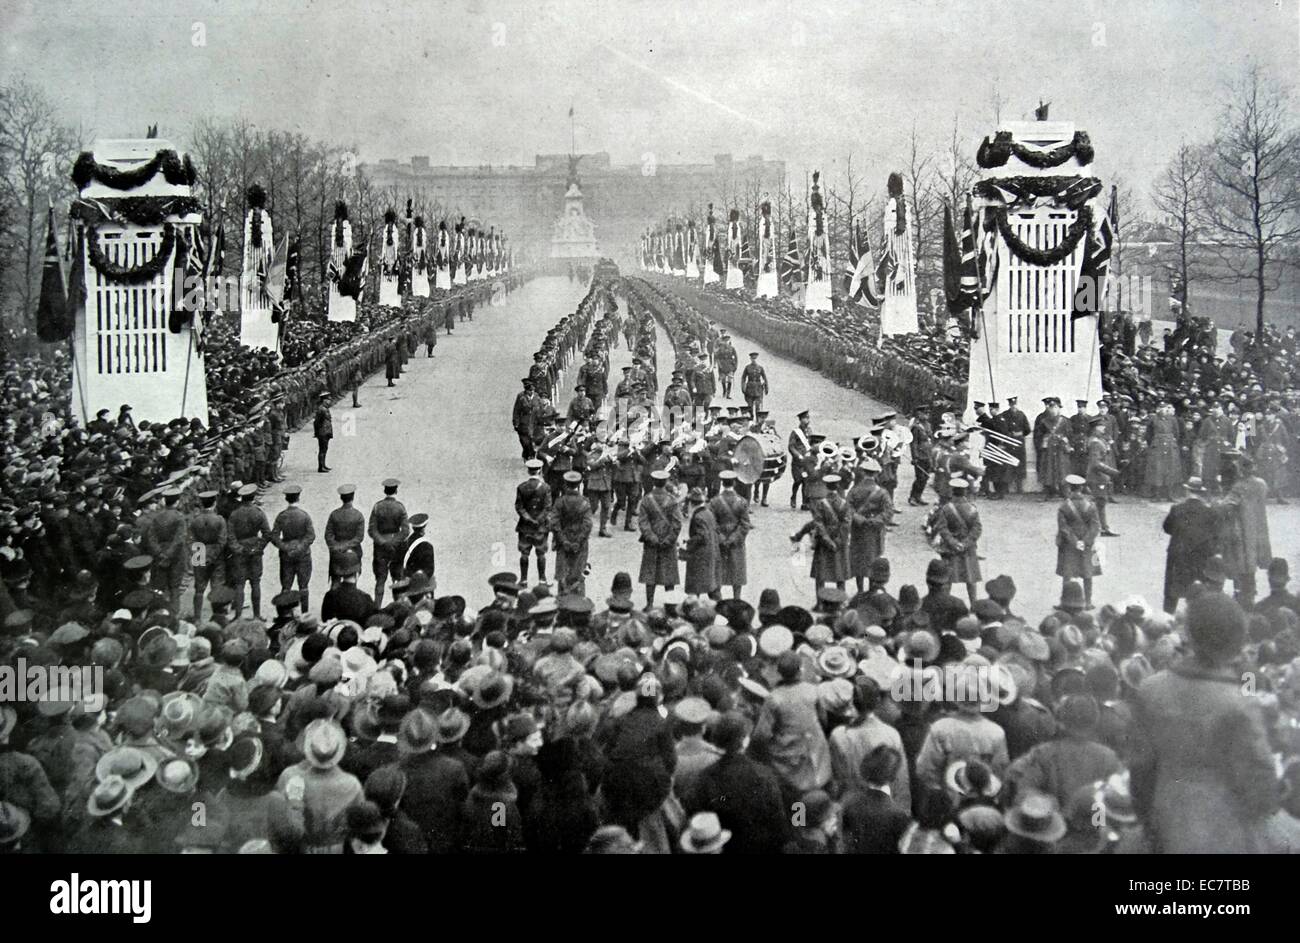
{"points": [[620, 200]]}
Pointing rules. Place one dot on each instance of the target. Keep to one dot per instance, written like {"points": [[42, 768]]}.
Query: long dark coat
{"points": [[959, 528], [731, 513], [827, 540], [660, 521], [872, 509], [1193, 539], [1076, 520], [701, 551]]}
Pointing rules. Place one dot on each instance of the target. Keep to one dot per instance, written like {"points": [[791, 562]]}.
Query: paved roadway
{"points": [[444, 430]]}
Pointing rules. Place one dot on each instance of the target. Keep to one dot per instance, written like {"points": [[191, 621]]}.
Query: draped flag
{"points": [[277, 279], [719, 266], [1091, 292], [792, 263], [996, 445], [860, 282], [53, 315]]}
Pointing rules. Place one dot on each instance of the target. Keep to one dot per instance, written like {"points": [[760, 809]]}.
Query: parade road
{"points": [[444, 431]]}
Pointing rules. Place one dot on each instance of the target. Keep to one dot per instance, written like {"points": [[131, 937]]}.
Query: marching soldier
{"points": [[724, 356], [753, 385], [570, 522], [323, 430], [660, 521], [701, 546], [522, 418], [799, 447], [293, 534], [533, 506], [249, 533], [626, 388], [872, 510], [208, 531], [581, 408], [600, 482], [344, 530], [922, 450], [731, 515], [418, 555], [705, 386], [388, 528], [592, 378], [163, 538], [1099, 470]]}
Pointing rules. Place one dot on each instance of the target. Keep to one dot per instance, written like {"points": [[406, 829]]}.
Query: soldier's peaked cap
{"points": [[390, 484]]}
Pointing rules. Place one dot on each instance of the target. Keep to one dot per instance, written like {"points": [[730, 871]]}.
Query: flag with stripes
{"points": [[860, 280], [53, 316], [1091, 292], [792, 263]]}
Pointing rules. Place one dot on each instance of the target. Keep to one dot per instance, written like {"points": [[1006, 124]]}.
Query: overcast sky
{"points": [[486, 81]]}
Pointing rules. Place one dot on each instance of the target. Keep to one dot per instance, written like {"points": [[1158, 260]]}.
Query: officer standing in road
{"points": [[344, 531], [293, 534], [753, 385], [725, 357], [533, 506], [207, 549], [249, 534], [571, 524], [522, 418], [323, 430], [389, 529]]}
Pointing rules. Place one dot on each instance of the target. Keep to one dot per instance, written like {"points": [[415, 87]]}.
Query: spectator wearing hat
{"points": [[522, 738], [1204, 781], [874, 820], [1034, 826], [1074, 758], [24, 784], [107, 829], [851, 743], [817, 821], [965, 734], [1193, 539], [941, 606], [790, 728], [317, 791], [385, 787], [492, 823], [365, 754], [694, 753], [1279, 597], [642, 756], [743, 793], [226, 686], [436, 784], [247, 801], [560, 817]]}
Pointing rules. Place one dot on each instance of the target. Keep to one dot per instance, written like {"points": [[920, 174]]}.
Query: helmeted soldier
{"points": [[388, 528], [293, 534], [208, 531], [249, 532], [344, 531]]}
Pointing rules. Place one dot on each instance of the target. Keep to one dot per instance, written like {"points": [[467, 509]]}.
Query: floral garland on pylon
{"points": [[177, 170], [136, 210], [1070, 192], [997, 152], [1027, 253], [132, 276]]}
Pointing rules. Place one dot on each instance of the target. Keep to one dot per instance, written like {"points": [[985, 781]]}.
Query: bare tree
{"points": [[1252, 208], [927, 236], [1177, 193], [38, 151]]}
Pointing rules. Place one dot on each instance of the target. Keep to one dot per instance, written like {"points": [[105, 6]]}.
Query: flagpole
{"points": [[979, 300]]}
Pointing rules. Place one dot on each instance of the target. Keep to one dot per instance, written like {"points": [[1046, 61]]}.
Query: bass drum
{"points": [[760, 456]]}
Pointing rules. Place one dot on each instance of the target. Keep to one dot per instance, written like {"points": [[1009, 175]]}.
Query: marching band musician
{"points": [[627, 481], [829, 526], [894, 440], [763, 425], [600, 482], [872, 509], [802, 458]]}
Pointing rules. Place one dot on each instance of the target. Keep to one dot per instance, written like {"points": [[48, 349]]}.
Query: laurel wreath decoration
{"points": [[1027, 253], [135, 210], [144, 272], [1070, 192], [997, 152], [177, 170]]}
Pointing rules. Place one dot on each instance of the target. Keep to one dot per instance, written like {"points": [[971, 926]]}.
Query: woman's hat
{"points": [[775, 640], [177, 774], [704, 835], [493, 690], [1036, 817], [972, 779], [835, 662], [110, 795], [134, 766]]}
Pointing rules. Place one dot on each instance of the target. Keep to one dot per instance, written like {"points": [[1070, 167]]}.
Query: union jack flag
{"points": [[792, 263], [860, 278]]}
